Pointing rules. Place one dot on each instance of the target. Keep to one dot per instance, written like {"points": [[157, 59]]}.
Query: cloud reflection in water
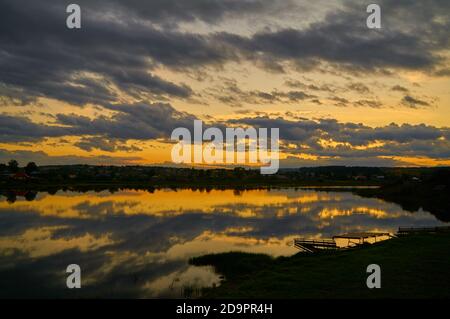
{"points": [[137, 243]]}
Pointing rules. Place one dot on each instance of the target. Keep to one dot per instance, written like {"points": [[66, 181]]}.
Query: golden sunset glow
{"points": [[203, 149], [375, 100]]}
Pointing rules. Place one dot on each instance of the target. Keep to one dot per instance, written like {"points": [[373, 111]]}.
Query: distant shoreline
{"points": [[412, 188], [223, 184]]}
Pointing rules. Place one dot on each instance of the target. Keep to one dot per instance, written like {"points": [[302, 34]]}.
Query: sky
{"points": [[112, 92]]}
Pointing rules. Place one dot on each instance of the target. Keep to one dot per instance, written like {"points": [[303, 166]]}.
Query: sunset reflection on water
{"points": [[138, 243]]}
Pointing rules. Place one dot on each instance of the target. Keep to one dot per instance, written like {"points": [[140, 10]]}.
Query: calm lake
{"points": [[138, 243]]}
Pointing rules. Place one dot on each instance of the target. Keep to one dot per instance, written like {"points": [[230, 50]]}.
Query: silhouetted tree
{"points": [[11, 197], [13, 166], [30, 196], [31, 167]]}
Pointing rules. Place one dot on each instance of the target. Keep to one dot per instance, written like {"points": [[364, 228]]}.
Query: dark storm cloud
{"points": [[413, 102], [313, 87], [359, 87], [40, 55], [157, 121], [43, 158], [340, 101], [14, 129], [16, 97], [230, 93], [368, 103], [238, 98], [357, 134], [343, 39], [436, 150], [397, 140], [442, 72], [175, 11], [120, 44], [105, 144], [399, 88], [137, 121], [112, 54], [129, 121]]}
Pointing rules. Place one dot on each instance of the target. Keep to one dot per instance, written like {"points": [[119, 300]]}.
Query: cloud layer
{"points": [[114, 63], [324, 138], [121, 42]]}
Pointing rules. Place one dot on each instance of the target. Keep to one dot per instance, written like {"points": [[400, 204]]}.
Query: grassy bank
{"points": [[412, 267]]}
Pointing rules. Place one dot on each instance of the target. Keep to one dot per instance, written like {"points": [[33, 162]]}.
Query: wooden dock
{"points": [[353, 240], [313, 245], [360, 238], [405, 231]]}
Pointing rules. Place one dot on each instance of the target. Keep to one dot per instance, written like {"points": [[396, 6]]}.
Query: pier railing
{"points": [[312, 245], [403, 231]]}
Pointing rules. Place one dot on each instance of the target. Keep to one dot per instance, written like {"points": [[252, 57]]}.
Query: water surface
{"points": [[138, 243]]}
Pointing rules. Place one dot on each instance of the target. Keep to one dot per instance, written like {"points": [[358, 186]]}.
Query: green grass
{"points": [[411, 267]]}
